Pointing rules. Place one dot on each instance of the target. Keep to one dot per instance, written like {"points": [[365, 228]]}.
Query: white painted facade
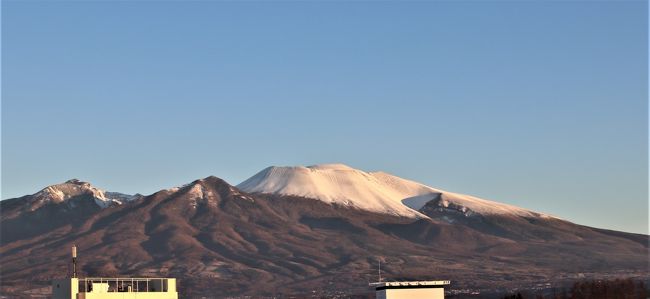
{"points": [[114, 288], [410, 289]]}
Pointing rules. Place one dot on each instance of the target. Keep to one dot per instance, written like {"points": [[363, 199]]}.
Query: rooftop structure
{"points": [[109, 288], [432, 289], [112, 288]]}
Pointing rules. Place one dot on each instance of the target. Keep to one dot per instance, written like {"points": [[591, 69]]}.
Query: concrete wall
{"points": [[65, 288], [126, 295], [69, 289], [436, 293]]}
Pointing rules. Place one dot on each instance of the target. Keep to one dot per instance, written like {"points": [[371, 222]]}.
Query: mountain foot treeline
{"points": [[595, 289]]}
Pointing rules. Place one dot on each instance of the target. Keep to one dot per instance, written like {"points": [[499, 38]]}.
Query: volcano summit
{"points": [[301, 230]]}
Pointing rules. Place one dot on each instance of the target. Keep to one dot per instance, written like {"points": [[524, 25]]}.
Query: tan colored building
{"points": [[114, 288], [410, 289]]}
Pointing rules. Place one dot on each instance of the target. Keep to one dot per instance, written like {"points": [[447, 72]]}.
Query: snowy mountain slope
{"points": [[221, 242], [335, 183], [372, 191], [61, 193], [54, 207]]}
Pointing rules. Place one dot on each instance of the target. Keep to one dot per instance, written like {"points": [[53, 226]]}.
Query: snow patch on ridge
{"points": [[62, 192]]}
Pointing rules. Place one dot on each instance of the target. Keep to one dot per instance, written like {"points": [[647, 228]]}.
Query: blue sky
{"points": [[541, 104]]}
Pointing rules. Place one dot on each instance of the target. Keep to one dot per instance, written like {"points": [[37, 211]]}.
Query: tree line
{"points": [[594, 289]]}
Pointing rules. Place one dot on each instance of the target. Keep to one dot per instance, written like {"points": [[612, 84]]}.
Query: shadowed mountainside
{"points": [[220, 241]]}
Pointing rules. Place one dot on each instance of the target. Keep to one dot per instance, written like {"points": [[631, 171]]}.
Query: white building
{"points": [[410, 289], [114, 288]]}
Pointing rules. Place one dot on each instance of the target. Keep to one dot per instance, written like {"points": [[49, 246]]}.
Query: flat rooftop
{"points": [[422, 283], [118, 279]]}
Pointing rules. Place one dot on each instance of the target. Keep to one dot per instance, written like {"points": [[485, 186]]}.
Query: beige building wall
{"points": [[125, 295], [421, 293], [69, 289], [65, 288]]}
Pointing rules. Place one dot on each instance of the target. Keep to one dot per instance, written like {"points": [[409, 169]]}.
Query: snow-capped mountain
{"points": [[372, 191], [54, 206], [221, 240], [61, 193]]}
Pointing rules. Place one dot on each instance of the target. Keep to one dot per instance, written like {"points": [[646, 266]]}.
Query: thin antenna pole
{"points": [[379, 270], [74, 261]]}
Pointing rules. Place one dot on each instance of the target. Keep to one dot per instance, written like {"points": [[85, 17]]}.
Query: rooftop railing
{"points": [[110, 285]]}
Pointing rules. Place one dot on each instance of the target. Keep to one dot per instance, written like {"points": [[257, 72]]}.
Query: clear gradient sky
{"points": [[540, 104]]}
